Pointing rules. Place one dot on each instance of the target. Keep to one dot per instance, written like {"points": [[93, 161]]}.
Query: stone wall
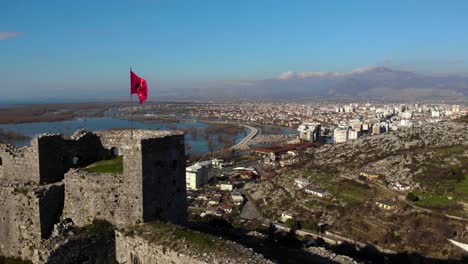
{"points": [[22, 222], [92, 249], [19, 164], [136, 250], [154, 171], [57, 155], [32, 195], [164, 188], [90, 196], [50, 206], [49, 157], [19, 221], [142, 245]]}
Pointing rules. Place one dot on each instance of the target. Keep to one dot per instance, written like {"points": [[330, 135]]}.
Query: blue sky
{"points": [[68, 48]]}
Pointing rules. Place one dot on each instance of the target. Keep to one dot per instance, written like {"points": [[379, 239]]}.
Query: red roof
{"points": [[226, 206]]}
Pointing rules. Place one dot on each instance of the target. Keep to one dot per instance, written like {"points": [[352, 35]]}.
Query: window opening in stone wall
{"points": [[1, 162], [75, 160], [114, 151]]}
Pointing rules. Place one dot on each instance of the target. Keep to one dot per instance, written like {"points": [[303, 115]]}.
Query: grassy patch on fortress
{"points": [[99, 227], [181, 238], [114, 165]]}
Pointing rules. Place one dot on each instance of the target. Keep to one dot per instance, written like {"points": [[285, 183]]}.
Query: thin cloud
{"points": [[290, 75], [9, 34], [456, 61], [287, 75]]}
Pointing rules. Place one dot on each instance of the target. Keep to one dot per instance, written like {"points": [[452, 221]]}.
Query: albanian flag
{"points": [[138, 86]]}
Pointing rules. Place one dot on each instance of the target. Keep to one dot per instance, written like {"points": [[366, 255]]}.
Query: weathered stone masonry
{"points": [[152, 186], [34, 193]]}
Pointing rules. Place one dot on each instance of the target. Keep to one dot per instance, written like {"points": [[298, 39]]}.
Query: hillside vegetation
{"points": [[432, 160]]}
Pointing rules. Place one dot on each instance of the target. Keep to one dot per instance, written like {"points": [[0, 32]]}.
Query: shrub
{"points": [[412, 197], [99, 227], [289, 223], [309, 225]]}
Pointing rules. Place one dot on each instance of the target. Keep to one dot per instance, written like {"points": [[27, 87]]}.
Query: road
{"points": [[243, 143], [332, 238]]}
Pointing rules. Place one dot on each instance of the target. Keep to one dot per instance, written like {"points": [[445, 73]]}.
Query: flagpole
{"points": [[131, 107]]}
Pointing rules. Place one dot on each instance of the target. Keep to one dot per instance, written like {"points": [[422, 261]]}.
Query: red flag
{"points": [[138, 86]]}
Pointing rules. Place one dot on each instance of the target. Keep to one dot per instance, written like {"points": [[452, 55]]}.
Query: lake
{"points": [[197, 141]]}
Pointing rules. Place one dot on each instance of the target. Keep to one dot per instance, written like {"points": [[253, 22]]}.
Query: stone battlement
{"points": [[137, 134], [43, 183]]}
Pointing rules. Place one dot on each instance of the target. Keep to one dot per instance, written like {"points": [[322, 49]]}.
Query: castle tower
{"points": [[152, 186], [45, 182]]}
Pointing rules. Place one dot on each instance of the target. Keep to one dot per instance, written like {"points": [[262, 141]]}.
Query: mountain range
{"points": [[369, 82]]}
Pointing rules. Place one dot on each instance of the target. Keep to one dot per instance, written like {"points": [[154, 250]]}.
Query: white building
{"points": [[217, 163], [348, 109], [340, 135], [226, 186], [435, 114], [285, 216], [196, 176], [237, 198], [316, 192], [406, 123], [352, 134], [406, 115], [301, 182], [365, 127], [309, 131]]}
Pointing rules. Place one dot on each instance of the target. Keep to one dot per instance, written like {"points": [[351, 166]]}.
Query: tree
{"points": [[271, 231], [412, 197], [309, 225], [289, 223], [188, 147], [211, 146]]}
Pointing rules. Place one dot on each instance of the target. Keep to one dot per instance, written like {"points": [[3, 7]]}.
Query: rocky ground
{"points": [[394, 155], [432, 160], [203, 248]]}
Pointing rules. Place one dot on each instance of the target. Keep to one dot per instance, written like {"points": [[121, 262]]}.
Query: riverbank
{"points": [[245, 141]]}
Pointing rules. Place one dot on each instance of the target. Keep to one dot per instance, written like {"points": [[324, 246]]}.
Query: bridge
{"points": [[243, 143]]}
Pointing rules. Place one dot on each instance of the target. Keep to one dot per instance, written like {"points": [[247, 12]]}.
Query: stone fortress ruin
{"points": [[44, 184]]}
